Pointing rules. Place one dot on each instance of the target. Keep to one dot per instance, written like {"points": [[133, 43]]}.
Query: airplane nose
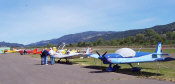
{"points": [[109, 60]]}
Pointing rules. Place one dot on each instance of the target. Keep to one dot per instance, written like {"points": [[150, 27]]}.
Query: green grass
{"points": [[156, 70]]}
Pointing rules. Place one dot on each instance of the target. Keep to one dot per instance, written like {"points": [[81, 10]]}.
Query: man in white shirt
{"points": [[51, 53]]}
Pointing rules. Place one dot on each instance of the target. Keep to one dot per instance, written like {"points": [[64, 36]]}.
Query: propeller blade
{"points": [[104, 54], [98, 53]]}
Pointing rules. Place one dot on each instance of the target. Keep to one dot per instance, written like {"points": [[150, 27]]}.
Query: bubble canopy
{"points": [[126, 52]]}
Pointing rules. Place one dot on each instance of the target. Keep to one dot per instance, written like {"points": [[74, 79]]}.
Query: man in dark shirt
{"points": [[24, 51], [44, 55]]}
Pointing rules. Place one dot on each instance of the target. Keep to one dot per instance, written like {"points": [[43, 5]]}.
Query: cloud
{"points": [[144, 21]]}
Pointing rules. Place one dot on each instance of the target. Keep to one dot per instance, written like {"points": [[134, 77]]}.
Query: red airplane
{"points": [[34, 51]]}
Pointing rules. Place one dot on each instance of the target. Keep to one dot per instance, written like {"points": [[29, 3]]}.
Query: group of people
{"points": [[44, 55]]}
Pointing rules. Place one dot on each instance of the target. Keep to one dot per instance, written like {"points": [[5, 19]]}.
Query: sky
{"points": [[29, 21]]}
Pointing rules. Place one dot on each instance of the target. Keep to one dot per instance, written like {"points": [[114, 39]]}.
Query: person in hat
{"points": [[51, 53]]}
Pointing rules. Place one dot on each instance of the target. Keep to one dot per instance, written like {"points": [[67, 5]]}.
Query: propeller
{"points": [[102, 58], [104, 54], [98, 53]]}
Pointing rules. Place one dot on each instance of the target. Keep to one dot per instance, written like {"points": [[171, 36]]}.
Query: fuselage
{"points": [[139, 57]]}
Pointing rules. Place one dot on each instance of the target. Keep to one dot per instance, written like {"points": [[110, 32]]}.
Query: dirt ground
{"points": [[21, 69]]}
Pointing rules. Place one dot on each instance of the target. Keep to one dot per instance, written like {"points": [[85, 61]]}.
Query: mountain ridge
{"points": [[94, 35], [7, 44]]}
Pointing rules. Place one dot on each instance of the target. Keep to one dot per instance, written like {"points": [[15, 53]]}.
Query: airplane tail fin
{"points": [[34, 51], [88, 51], [159, 48], [158, 51]]}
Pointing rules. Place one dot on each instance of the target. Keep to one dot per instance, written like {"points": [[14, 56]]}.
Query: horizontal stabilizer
{"points": [[161, 54], [165, 59]]}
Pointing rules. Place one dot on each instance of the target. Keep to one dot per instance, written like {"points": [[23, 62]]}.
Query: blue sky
{"points": [[28, 21]]}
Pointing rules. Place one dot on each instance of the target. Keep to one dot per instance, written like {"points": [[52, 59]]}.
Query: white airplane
{"points": [[69, 54]]}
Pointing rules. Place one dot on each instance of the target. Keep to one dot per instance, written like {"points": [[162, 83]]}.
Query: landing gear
{"points": [[135, 69], [114, 68], [109, 69], [59, 61], [67, 61]]}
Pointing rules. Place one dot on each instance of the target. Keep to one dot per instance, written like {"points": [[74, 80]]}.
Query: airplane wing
{"points": [[73, 54], [94, 56], [70, 56]]}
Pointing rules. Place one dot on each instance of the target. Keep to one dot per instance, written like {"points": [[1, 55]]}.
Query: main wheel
{"points": [[67, 61], [109, 69], [135, 69], [58, 61], [116, 68]]}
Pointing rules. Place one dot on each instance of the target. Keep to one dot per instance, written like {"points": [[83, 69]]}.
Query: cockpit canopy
{"points": [[126, 52]]}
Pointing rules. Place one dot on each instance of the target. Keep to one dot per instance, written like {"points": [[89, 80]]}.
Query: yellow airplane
{"points": [[8, 51]]}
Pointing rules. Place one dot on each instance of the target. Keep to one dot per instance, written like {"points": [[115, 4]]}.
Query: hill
{"points": [[161, 29], [105, 35], [2, 44], [73, 38]]}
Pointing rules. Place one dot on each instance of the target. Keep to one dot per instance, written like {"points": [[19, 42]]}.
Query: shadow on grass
{"points": [[68, 63], [61, 62], [102, 69], [79, 61]]}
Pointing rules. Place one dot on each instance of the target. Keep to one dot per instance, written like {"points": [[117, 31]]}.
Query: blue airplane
{"points": [[128, 56]]}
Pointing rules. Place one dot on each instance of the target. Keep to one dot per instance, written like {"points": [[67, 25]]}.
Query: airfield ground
{"points": [[23, 69]]}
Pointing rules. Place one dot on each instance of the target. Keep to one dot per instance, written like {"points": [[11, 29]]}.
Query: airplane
{"points": [[8, 51], [34, 51], [128, 56], [69, 54], [17, 50]]}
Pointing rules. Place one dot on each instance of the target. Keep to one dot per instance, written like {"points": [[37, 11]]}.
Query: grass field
{"points": [[156, 70]]}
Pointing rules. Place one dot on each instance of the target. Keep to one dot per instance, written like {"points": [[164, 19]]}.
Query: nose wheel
{"points": [[114, 68]]}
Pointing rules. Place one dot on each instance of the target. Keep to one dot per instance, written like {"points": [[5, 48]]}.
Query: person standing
{"points": [[51, 53], [44, 55], [24, 51]]}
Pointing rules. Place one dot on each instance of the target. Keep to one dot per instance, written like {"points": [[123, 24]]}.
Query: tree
{"points": [[149, 32], [157, 38], [90, 44], [139, 38], [112, 42], [50, 45], [70, 45], [79, 44], [151, 36], [170, 35], [163, 38], [99, 41], [84, 44]]}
